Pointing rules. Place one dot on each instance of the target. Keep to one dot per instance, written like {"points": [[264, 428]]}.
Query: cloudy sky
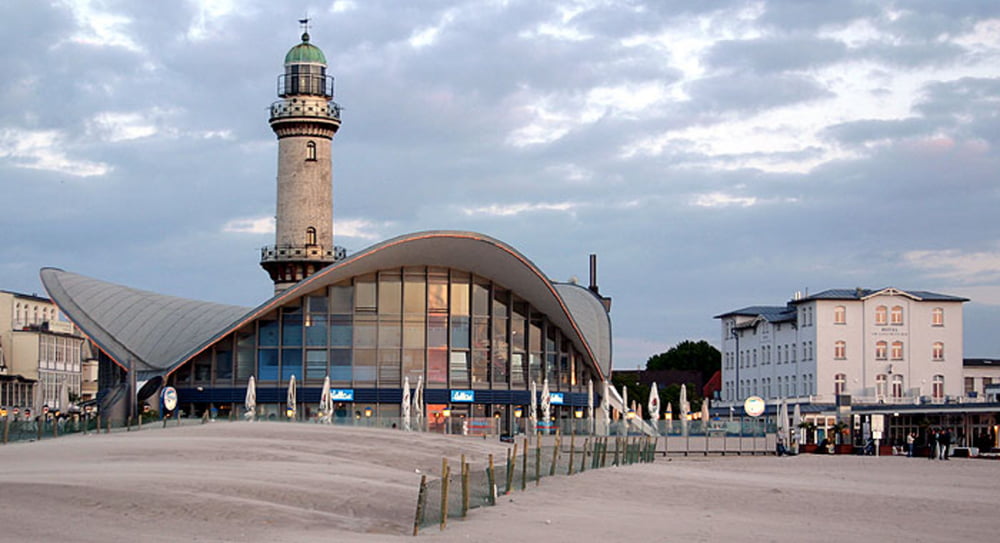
{"points": [[713, 154]]}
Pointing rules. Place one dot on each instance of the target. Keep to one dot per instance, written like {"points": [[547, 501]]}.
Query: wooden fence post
{"points": [[524, 466], [444, 493], [555, 455], [572, 450], [465, 487], [421, 504], [510, 468], [491, 477]]}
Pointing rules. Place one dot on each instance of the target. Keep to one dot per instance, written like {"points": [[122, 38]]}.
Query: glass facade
{"points": [[455, 329]]}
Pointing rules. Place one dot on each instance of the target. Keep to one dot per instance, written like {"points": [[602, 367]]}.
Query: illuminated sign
{"points": [[556, 398], [169, 398], [754, 406], [463, 395], [342, 394]]}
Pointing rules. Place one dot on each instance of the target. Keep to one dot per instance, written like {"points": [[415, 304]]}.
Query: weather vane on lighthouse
{"points": [[305, 24]]}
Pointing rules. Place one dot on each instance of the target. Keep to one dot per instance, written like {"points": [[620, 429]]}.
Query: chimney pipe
{"points": [[593, 273]]}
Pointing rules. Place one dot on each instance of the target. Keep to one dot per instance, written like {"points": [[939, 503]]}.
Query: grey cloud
{"points": [[775, 54], [752, 92]]}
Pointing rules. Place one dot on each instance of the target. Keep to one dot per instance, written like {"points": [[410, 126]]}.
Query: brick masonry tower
{"points": [[305, 120]]}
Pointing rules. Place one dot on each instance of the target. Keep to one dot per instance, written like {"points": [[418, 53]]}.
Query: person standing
{"points": [[932, 444], [945, 443], [910, 438]]}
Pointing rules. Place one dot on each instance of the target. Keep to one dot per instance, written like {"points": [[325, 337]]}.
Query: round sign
{"points": [[754, 406], [169, 398]]}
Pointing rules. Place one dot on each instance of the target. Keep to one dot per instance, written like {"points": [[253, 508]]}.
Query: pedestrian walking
{"points": [[945, 443], [910, 438]]}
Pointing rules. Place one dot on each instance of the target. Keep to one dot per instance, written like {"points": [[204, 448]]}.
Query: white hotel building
{"points": [[879, 347]]}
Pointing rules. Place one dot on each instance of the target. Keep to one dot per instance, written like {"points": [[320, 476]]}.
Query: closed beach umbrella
{"points": [[546, 404], [783, 420], [654, 403], [418, 402], [704, 413], [684, 407], [532, 411], [291, 397], [326, 401], [405, 404], [64, 397], [250, 403], [796, 421], [669, 413]]}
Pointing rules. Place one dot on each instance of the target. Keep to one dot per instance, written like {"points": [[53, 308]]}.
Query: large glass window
{"points": [[390, 293], [291, 364], [881, 383], [341, 331], [267, 363], [340, 366], [245, 365], [291, 327], [269, 332], [316, 363], [224, 363], [316, 330]]}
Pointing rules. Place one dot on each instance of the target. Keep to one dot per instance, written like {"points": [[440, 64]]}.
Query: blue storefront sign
{"points": [[468, 396], [342, 394], [556, 398]]}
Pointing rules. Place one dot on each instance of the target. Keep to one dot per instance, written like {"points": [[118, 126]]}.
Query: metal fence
{"points": [[465, 486]]}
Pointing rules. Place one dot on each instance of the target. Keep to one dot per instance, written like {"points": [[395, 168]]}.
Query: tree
{"points": [[688, 355]]}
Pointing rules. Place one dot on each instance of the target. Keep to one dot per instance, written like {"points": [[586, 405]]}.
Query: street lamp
{"points": [[736, 336]]}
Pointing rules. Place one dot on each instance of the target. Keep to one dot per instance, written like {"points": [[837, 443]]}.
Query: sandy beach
{"points": [[300, 482]]}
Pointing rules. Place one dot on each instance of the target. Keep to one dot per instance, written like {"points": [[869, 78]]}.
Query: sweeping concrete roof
{"points": [[150, 330], [161, 332]]}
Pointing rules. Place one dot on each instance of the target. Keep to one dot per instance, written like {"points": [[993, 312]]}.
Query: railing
{"points": [[286, 109], [272, 253]]}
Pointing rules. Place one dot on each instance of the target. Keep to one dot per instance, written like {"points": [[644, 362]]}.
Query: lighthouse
{"points": [[304, 119]]}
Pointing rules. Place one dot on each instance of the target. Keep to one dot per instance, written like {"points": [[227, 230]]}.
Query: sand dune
{"points": [[300, 482]]}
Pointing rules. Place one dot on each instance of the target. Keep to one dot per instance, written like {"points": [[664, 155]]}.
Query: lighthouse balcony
{"points": [[297, 253], [295, 108]]}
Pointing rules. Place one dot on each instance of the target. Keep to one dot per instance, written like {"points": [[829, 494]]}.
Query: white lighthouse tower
{"points": [[305, 121]]}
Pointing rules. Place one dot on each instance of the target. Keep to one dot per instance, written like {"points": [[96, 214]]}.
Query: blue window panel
{"points": [[267, 362], [268, 333], [316, 331], [291, 364], [291, 331]]}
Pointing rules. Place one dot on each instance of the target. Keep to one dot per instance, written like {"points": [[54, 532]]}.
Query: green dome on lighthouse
{"points": [[305, 53]]}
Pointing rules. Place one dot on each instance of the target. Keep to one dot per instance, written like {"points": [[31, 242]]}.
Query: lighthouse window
{"points": [[311, 150], [310, 236]]}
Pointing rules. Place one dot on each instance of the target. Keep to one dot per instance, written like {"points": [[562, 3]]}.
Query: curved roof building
{"points": [[459, 310]]}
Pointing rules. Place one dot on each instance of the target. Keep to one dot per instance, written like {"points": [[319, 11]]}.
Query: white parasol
{"points": [[783, 421], [418, 402], [326, 402], [292, 401], [796, 421], [250, 403], [684, 407], [705, 416], [405, 404], [546, 404], [654, 403], [64, 397], [533, 409]]}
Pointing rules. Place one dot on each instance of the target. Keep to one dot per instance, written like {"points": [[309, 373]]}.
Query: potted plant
{"points": [[810, 445], [841, 433]]}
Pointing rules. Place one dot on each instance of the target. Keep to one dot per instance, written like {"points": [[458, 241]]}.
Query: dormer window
{"points": [[311, 150]]}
